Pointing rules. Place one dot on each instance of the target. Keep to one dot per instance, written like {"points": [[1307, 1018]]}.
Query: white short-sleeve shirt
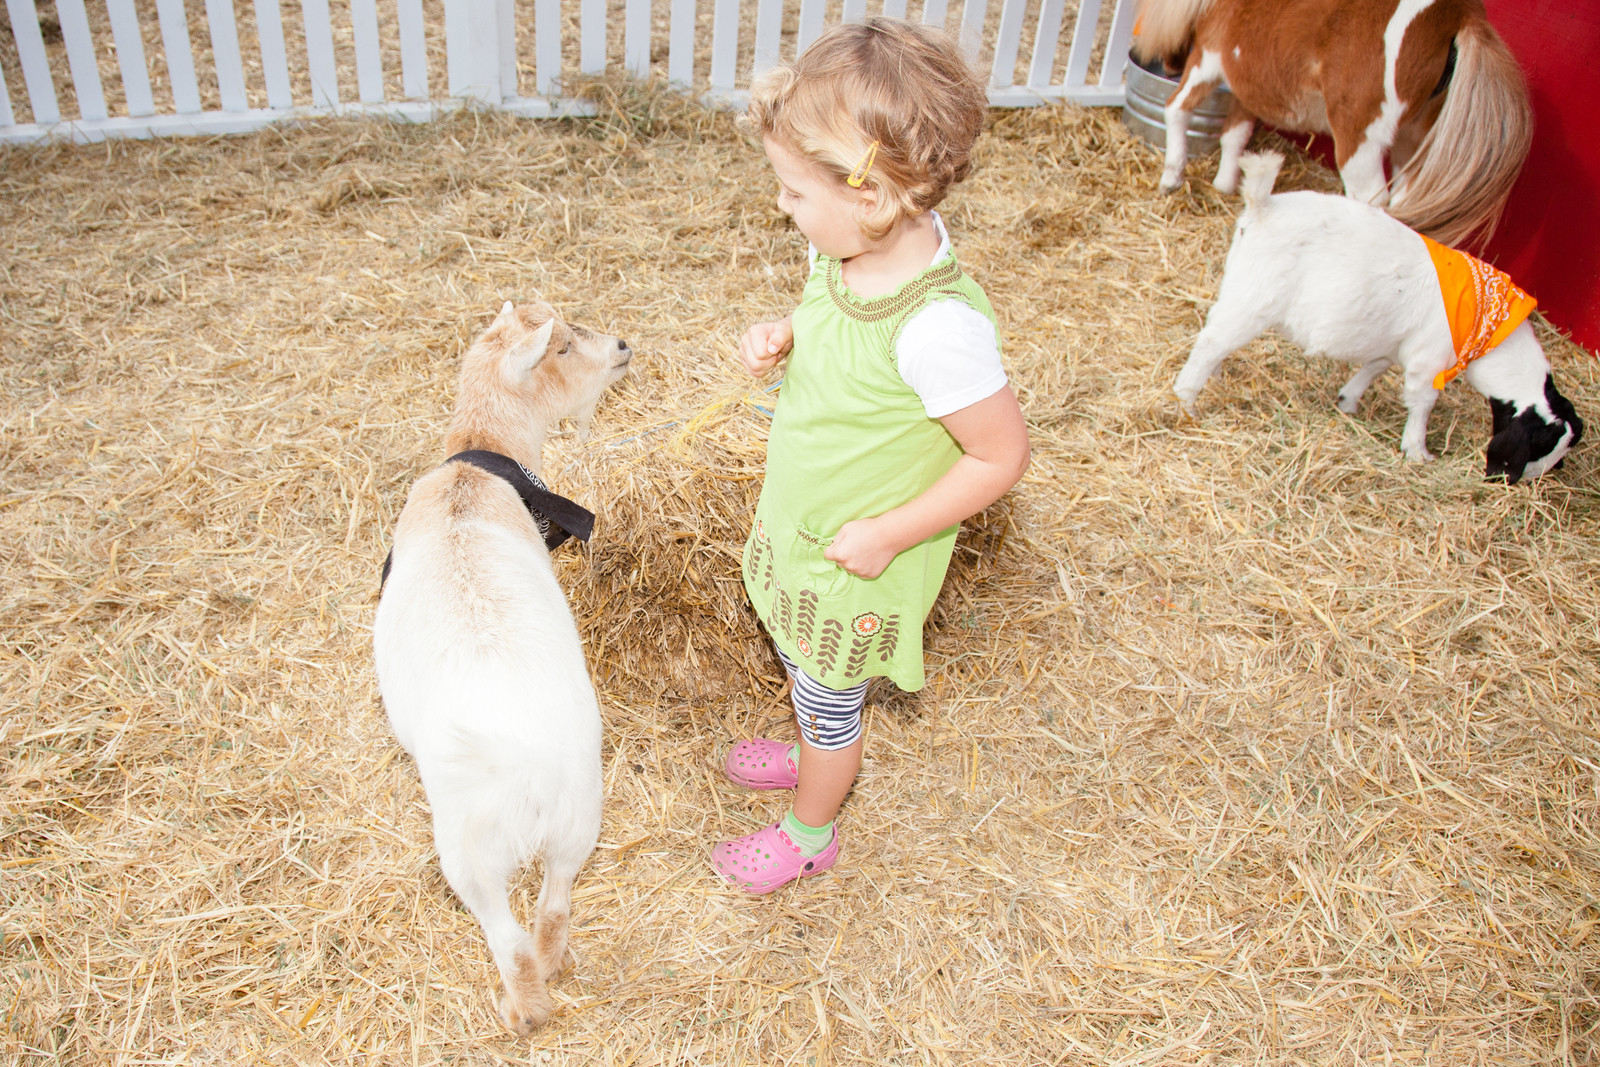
{"points": [[949, 352]]}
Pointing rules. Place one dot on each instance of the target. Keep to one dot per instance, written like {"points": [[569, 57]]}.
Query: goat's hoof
{"points": [[523, 1019], [1347, 405]]}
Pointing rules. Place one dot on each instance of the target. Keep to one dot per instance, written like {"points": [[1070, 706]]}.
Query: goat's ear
{"points": [[521, 360], [1562, 408]]}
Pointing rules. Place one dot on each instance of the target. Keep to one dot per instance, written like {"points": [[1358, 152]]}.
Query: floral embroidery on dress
{"points": [[845, 644], [867, 623], [761, 531]]}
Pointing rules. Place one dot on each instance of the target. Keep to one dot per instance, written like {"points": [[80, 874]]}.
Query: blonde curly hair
{"points": [[903, 85]]}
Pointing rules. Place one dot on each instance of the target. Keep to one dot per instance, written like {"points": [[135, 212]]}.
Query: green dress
{"points": [[850, 440]]}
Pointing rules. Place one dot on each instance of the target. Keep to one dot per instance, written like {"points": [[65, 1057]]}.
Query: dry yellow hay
{"points": [[1246, 742]]}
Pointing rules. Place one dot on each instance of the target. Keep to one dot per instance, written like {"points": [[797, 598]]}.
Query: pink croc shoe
{"points": [[761, 764], [767, 859]]}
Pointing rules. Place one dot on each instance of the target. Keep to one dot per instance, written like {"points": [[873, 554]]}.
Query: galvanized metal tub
{"points": [[1145, 105]]}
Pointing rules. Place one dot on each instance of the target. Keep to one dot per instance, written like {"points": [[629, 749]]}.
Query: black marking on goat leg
{"points": [[1502, 412]]}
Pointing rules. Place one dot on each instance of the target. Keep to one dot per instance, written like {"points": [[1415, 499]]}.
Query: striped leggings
{"points": [[829, 719]]}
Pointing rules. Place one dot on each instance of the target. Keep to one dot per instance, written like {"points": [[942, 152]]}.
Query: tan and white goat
{"points": [[479, 660]]}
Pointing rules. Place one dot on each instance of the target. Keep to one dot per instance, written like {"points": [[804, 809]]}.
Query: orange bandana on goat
{"points": [[1482, 304]]}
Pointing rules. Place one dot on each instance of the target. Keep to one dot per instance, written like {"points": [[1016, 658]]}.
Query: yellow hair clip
{"points": [[859, 175]]}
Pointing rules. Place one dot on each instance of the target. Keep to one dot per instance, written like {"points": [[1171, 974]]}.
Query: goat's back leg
{"points": [[1232, 324], [478, 863], [1350, 395], [554, 909], [1200, 75]]}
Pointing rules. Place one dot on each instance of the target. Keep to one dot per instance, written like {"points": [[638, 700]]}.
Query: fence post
{"points": [[80, 59], [636, 40], [225, 56], [274, 57], [1116, 57], [413, 50], [1046, 39], [472, 48], [35, 64], [813, 14], [724, 45], [320, 58], [680, 44]]}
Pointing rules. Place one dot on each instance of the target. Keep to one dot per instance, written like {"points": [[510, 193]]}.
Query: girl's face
{"points": [[824, 208]]}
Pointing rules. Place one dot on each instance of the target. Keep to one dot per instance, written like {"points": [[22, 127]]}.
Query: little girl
{"points": [[895, 421]]}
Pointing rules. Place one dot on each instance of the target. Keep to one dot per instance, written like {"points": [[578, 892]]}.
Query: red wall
{"points": [[1549, 236]]}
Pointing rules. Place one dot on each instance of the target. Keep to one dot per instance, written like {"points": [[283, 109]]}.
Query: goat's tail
{"points": [[1165, 27], [1456, 184], [1260, 170]]}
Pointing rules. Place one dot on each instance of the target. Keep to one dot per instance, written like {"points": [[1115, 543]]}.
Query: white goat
{"points": [[1343, 279], [479, 661]]}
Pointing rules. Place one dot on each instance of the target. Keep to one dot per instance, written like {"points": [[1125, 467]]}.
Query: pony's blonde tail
{"points": [[1260, 170], [1455, 185], [1165, 26]]}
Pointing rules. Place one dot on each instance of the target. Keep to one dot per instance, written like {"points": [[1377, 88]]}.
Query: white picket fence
{"points": [[489, 48]]}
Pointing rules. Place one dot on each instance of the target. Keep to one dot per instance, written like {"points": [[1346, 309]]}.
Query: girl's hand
{"points": [[863, 547], [765, 344], [994, 444]]}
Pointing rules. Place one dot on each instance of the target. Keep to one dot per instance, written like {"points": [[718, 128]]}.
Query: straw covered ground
{"points": [[1246, 742]]}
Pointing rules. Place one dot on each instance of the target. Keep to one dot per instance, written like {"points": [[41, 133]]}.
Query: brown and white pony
{"points": [[1427, 83]]}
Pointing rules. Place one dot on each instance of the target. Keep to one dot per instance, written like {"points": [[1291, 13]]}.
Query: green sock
{"points": [[811, 839]]}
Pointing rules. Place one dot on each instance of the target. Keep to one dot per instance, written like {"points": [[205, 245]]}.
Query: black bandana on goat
{"points": [[557, 517]]}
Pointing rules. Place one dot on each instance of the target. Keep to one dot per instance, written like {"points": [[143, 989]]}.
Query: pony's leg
{"points": [[1235, 136], [1230, 325], [1362, 169], [1366, 119], [1350, 395], [1199, 78], [1363, 128]]}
